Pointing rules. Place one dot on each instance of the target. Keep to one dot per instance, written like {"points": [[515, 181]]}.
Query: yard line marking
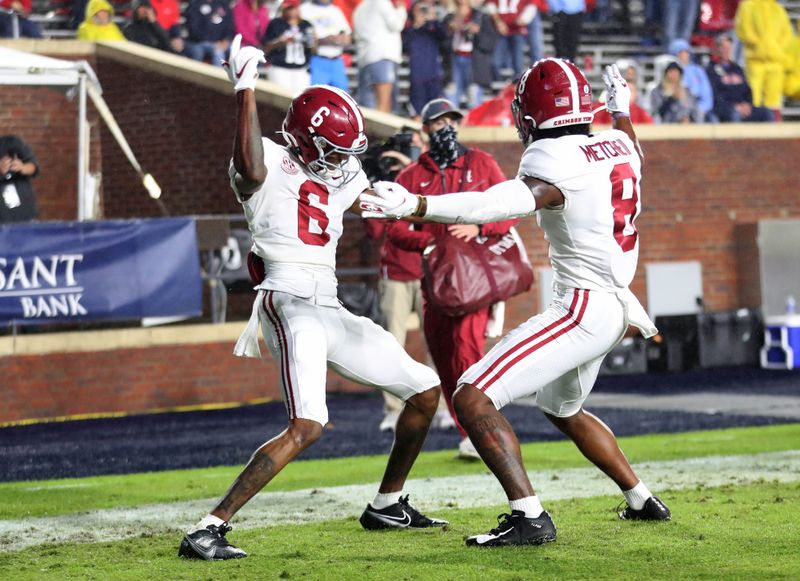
{"points": [[430, 495]]}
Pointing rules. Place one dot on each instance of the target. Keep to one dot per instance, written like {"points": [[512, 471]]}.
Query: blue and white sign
{"points": [[106, 270]]}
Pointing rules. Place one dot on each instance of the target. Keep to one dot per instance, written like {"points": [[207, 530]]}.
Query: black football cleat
{"points": [[653, 509], [400, 515], [516, 529], [209, 544]]}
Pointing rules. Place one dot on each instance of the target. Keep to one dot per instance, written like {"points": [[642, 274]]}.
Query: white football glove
{"points": [[242, 66], [388, 200], [619, 93]]}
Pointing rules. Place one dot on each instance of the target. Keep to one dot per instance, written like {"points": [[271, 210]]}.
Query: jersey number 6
{"points": [[309, 214], [624, 198]]}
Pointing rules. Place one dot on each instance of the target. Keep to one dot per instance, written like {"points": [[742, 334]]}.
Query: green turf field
{"points": [[734, 495]]}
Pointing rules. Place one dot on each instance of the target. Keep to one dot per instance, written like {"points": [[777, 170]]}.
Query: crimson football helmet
{"points": [[322, 121], [552, 93]]}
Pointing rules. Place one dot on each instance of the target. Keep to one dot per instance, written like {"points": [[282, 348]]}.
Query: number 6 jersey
{"points": [[296, 223], [593, 239]]}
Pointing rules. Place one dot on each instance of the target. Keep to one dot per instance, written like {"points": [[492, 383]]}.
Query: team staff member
{"points": [[455, 343]]}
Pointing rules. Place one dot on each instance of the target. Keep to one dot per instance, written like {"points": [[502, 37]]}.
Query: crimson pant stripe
{"points": [[286, 372], [527, 340], [571, 322]]}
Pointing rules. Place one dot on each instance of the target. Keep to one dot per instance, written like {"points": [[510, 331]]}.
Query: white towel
{"points": [[497, 315], [247, 344], [636, 314]]}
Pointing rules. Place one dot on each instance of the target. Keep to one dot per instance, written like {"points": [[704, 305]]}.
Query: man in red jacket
{"points": [[455, 343]]}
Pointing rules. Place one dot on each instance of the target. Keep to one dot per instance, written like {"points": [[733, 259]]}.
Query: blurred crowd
{"points": [[722, 61]]}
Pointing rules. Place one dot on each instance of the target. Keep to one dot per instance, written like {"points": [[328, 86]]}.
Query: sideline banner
{"points": [[104, 270]]}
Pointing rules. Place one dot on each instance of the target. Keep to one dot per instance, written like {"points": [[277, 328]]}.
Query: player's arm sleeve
{"points": [[509, 199], [514, 198], [496, 177]]}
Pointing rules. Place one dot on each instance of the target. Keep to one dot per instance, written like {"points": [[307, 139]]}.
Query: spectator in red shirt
{"points": [[511, 20], [455, 343], [168, 15]]}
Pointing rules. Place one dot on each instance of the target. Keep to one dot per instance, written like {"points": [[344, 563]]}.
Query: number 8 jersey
{"points": [[593, 239]]}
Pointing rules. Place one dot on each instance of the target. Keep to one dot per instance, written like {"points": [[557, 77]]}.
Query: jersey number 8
{"points": [[624, 198]]}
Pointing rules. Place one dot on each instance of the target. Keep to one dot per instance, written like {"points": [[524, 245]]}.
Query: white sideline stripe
{"points": [[430, 495]]}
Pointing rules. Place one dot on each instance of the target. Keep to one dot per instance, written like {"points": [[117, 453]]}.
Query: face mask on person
{"points": [[444, 146]]}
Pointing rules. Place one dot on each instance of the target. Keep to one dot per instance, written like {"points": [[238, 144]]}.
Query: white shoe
{"points": [[389, 422], [467, 451], [443, 421]]}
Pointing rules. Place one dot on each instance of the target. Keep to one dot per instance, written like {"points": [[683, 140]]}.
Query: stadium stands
{"points": [[600, 45]]}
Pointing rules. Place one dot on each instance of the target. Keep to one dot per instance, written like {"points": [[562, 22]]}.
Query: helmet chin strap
{"points": [[529, 134]]}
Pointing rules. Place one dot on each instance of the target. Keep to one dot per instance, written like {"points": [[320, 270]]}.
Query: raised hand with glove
{"points": [[242, 66], [618, 102]]}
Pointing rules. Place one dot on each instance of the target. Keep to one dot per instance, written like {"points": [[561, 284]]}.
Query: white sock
{"points": [[637, 496], [530, 505], [384, 500], [207, 520]]}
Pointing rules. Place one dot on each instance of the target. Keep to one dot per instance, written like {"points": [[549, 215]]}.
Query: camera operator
{"points": [[289, 43], [385, 160]]}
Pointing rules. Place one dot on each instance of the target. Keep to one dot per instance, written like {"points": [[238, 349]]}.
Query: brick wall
{"points": [[143, 379], [63, 384], [180, 133]]}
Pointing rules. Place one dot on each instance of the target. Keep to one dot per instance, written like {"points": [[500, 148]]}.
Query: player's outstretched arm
{"points": [[248, 149], [510, 199], [618, 104]]}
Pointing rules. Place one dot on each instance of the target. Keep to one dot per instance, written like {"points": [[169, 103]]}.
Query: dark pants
{"points": [[420, 92], [566, 34]]}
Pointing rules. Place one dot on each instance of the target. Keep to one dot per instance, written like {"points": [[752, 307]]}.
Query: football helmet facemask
{"points": [[322, 121]]}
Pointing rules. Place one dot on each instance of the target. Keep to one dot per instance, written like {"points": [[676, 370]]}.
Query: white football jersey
{"points": [[593, 239], [295, 221]]}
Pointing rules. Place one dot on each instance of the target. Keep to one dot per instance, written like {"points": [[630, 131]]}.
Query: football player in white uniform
{"points": [[585, 190], [294, 197]]}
